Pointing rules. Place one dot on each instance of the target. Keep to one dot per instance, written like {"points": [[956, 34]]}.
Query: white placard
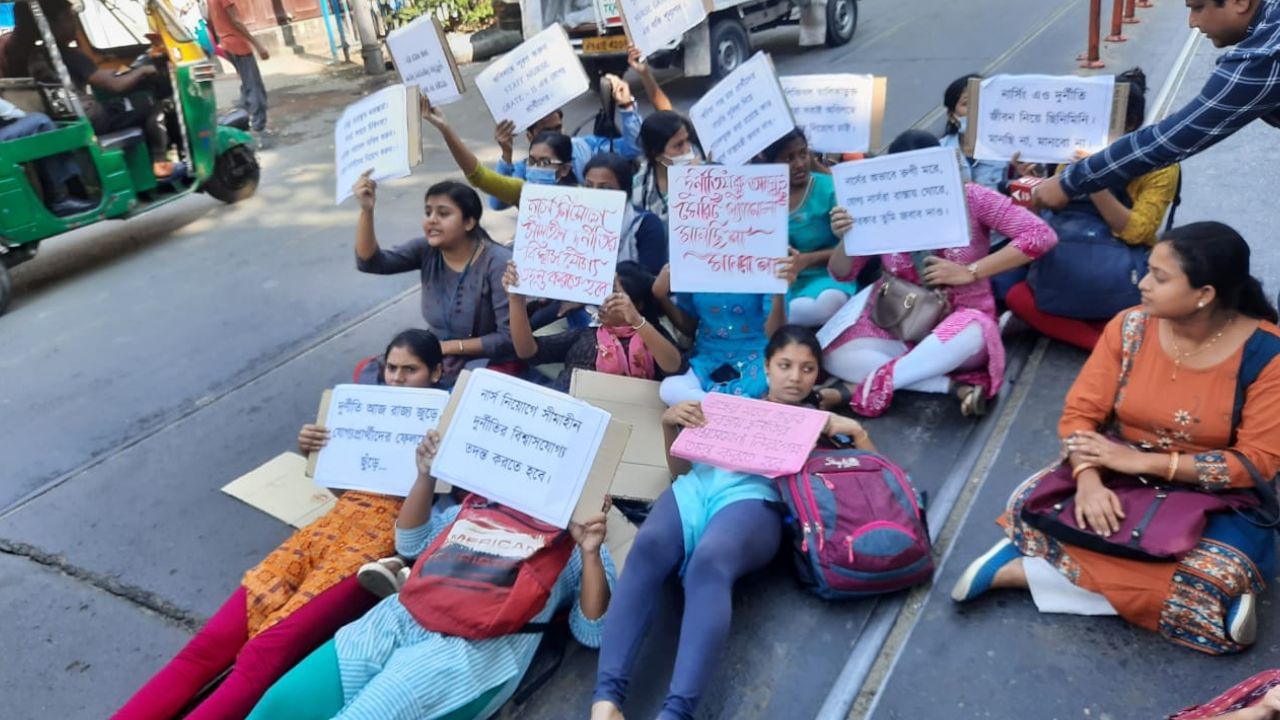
{"points": [[422, 56], [374, 431], [376, 133], [845, 317], [904, 202], [743, 114], [521, 445], [655, 24], [537, 78], [836, 112], [1046, 118], [728, 227], [566, 245]]}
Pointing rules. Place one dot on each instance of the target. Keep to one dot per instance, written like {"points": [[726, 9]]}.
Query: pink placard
{"points": [[752, 436]]}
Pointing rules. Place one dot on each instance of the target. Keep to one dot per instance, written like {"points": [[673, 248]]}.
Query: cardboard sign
{"points": [[653, 25], [838, 113], [374, 432], [727, 227], [567, 239], [538, 451], [743, 114], [535, 79], [382, 132], [751, 436], [280, 488], [422, 57], [643, 473], [1046, 118], [904, 202]]}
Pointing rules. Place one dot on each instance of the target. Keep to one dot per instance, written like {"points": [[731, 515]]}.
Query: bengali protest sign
{"points": [[655, 24], [1045, 118], [381, 133], [904, 202], [530, 82], [751, 436], [743, 114], [838, 113], [566, 245], [541, 452], [374, 431], [727, 227], [422, 56]]}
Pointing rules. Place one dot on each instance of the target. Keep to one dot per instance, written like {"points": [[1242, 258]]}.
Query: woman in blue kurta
{"points": [[729, 332], [712, 527], [815, 296]]}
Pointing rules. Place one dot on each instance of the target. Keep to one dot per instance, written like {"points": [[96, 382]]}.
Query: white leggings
{"points": [[923, 369], [812, 312], [679, 388]]}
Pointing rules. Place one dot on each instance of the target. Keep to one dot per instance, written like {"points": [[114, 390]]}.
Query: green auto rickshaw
{"points": [[117, 177]]}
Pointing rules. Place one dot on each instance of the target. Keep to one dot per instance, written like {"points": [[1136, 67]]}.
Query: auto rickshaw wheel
{"points": [[235, 175], [6, 287]]}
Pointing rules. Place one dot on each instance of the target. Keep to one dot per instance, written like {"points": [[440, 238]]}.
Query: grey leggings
{"points": [[740, 538]]}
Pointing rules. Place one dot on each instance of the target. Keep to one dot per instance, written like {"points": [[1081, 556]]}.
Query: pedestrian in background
{"points": [[240, 45]]}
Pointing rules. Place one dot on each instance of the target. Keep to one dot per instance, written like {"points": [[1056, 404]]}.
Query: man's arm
{"points": [[1238, 92], [233, 15]]}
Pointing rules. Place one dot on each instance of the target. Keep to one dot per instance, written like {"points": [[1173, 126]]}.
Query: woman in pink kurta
{"points": [[965, 346]]}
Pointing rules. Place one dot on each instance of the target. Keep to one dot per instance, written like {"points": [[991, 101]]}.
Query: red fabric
{"points": [[255, 664], [1084, 334], [229, 38]]}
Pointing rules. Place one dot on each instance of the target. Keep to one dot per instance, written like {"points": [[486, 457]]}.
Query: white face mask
{"points": [[964, 124], [686, 159]]}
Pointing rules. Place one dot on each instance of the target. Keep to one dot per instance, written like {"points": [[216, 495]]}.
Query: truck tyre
{"points": [[6, 288], [730, 46], [842, 21], [235, 175]]}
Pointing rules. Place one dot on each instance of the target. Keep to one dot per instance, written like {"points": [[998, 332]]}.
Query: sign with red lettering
{"points": [[567, 242], [728, 227]]}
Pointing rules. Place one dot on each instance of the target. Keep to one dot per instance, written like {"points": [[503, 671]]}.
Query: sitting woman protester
{"points": [[461, 269], [1132, 217], [299, 595], [630, 340], [449, 646], [955, 99], [729, 332], [815, 296], [644, 235], [712, 527], [964, 343], [1181, 400], [667, 139]]}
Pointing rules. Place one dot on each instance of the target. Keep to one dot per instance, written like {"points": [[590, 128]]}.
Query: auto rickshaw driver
{"points": [[139, 82]]}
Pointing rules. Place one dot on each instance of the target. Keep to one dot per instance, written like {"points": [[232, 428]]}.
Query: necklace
{"points": [[1179, 356]]}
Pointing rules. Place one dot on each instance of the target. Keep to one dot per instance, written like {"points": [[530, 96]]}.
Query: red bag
{"points": [[488, 574]]}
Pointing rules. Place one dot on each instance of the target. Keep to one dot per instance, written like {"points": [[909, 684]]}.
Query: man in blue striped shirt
{"points": [[1245, 86]]}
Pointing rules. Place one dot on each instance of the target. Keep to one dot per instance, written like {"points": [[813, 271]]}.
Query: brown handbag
{"points": [[906, 310]]}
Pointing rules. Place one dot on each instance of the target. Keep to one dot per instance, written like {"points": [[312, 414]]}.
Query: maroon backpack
{"points": [[487, 574]]}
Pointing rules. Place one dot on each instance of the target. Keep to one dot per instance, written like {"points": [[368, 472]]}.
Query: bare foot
{"points": [[1011, 577], [605, 710]]}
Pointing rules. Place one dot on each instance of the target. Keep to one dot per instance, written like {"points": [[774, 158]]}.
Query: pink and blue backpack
{"points": [[857, 524]]}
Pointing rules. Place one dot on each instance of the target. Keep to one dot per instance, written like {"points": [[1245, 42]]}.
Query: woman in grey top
{"points": [[463, 300]]}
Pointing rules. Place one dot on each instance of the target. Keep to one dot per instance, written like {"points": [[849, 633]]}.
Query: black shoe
{"points": [[71, 206]]}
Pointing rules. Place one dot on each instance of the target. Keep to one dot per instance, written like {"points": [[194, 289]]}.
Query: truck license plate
{"points": [[604, 44]]}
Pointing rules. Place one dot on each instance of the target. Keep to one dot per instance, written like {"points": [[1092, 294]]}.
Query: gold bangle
{"points": [[1173, 465], [1075, 471]]}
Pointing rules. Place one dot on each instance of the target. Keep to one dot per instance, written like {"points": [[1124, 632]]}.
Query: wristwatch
{"points": [[973, 270]]}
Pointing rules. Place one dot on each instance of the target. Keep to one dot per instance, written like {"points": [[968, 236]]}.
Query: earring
{"points": [[1200, 304]]}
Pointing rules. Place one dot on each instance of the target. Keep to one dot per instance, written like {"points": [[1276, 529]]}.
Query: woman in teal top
{"points": [[815, 296], [712, 527]]}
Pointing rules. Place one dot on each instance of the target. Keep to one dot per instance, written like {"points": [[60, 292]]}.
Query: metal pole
{"points": [[370, 50], [1117, 17], [1091, 57], [328, 29], [1130, 13]]}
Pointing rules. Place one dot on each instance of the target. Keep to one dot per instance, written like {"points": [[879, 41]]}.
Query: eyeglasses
{"points": [[543, 162]]}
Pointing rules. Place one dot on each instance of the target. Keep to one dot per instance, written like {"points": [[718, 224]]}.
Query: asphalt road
{"points": [[147, 363]]}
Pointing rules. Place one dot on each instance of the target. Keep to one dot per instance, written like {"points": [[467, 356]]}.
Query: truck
{"points": [[714, 48]]}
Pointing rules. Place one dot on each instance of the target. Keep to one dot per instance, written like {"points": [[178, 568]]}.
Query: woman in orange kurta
{"points": [[1204, 318]]}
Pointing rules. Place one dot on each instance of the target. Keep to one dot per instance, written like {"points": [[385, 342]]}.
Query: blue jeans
{"points": [[55, 170]]}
